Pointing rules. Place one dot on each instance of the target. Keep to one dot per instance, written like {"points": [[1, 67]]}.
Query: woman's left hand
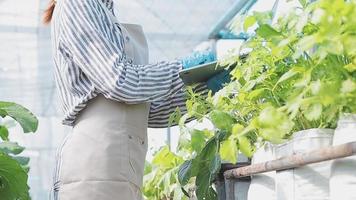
{"points": [[218, 81]]}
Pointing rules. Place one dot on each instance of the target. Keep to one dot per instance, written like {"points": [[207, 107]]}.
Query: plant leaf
{"points": [[11, 148], [237, 129], [304, 3], [245, 146], [198, 140], [215, 164], [204, 191], [249, 21], [222, 120], [23, 161], [184, 172], [267, 32], [23, 116], [13, 179], [292, 72], [166, 159], [208, 151], [4, 133], [228, 151]]}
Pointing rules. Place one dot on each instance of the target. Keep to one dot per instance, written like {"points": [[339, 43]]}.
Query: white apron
{"points": [[103, 157]]}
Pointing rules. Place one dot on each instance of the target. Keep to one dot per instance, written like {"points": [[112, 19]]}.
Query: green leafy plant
{"points": [[14, 168], [161, 179], [300, 73]]}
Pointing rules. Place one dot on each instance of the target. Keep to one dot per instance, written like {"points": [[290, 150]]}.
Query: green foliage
{"points": [[22, 115], [13, 179], [13, 168], [300, 74], [161, 176]]}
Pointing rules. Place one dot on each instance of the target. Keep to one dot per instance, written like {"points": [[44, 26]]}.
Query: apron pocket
{"points": [[137, 156]]}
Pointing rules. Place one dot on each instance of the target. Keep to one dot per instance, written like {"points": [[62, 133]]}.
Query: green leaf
{"points": [[237, 129], [183, 119], [166, 159], [24, 117], [263, 17], [292, 72], [23, 161], [209, 151], [222, 120], [256, 93], [228, 151], [273, 124], [215, 164], [198, 140], [350, 67], [245, 146], [249, 21], [174, 117], [313, 112], [4, 133], [267, 32], [184, 172], [304, 81], [304, 3], [11, 148], [13, 180], [204, 190]]}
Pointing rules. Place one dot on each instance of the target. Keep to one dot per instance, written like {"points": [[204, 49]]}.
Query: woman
{"points": [[110, 95]]}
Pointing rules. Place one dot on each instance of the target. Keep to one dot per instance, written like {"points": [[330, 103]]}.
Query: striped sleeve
{"points": [[95, 44], [161, 110]]}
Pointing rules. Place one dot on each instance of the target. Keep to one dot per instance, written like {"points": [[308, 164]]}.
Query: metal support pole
{"points": [[235, 9], [294, 161], [230, 189]]}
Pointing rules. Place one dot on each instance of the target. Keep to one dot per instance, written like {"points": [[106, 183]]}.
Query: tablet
{"points": [[200, 73]]}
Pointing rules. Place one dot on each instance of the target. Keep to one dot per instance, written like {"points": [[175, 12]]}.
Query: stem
{"points": [[275, 98]]}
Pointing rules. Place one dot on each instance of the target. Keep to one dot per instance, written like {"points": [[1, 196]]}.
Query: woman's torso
{"points": [[115, 115], [89, 102]]}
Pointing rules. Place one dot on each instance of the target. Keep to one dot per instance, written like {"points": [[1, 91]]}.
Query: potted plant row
{"points": [[295, 85]]}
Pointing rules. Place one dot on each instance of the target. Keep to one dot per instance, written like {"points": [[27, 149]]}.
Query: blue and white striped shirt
{"points": [[89, 57]]}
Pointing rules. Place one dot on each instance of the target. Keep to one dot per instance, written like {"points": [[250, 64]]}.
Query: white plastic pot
{"points": [[263, 185], [343, 172], [309, 182]]}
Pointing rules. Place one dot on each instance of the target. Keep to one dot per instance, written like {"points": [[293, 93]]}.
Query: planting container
{"points": [[309, 182], [234, 188], [343, 171], [263, 185]]}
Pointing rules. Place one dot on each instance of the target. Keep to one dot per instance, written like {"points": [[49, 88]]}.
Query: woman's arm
{"points": [[161, 110], [95, 44]]}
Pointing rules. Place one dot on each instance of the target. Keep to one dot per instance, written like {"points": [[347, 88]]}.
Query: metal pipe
{"points": [[294, 161], [235, 9]]}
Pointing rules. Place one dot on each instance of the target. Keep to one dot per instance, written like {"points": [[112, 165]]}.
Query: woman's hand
{"points": [[217, 82], [198, 58]]}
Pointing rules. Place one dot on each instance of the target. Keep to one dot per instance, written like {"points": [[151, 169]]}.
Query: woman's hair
{"points": [[47, 16]]}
